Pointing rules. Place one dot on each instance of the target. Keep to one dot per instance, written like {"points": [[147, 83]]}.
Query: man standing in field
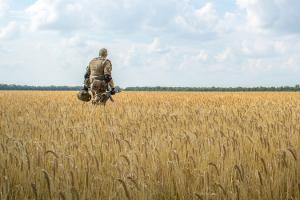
{"points": [[98, 77]]}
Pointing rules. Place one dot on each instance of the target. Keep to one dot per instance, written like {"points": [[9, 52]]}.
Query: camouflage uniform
{"points": [[98, 76]]}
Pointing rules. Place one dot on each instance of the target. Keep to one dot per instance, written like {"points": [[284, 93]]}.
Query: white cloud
{"points": [[281, 15], [226, 54], [255, 65], [261, 13], [43, 12], [206, 14], [126, 58], [4, 6], [64, 16], [198, 20], [292, 63], [75, 41], [202, 56], [156, 47], [100, 15], [258, 47], [10, 31]]}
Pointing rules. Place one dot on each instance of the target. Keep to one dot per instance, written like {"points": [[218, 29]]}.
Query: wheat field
{"points": [[150, 146]]}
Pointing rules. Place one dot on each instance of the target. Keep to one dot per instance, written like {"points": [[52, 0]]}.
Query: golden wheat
{"points": [[150, 146]]}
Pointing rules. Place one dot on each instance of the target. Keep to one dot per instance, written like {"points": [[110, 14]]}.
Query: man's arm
{"points": [[107, 74], [87, 78]]}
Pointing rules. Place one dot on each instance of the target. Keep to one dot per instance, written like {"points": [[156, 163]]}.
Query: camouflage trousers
{"points": [[98, 89]]}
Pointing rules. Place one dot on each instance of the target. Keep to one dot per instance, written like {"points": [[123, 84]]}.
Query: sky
{"points": [[194, 43]]}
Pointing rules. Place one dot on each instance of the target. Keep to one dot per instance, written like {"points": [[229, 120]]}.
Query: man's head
{"points": [[103, 52]]}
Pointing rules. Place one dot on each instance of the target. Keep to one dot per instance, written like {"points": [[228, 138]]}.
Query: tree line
{"points": [[158, 88], [212, 89], [42, 88]]}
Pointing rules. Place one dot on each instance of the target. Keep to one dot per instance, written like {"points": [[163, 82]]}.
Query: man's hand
{"points": [[112, 92], [85, 88], [107, 78]]}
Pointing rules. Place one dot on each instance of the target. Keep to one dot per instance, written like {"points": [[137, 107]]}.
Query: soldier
{"points": [[98, 77]]}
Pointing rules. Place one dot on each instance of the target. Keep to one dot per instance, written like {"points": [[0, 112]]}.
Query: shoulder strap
{"points": [[103, 62]]}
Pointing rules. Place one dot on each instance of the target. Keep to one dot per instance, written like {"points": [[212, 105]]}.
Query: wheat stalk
{"points": [[125, 188], [46, 176]]}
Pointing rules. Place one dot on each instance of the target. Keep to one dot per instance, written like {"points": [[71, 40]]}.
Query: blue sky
{"points": [[150, 43]]}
